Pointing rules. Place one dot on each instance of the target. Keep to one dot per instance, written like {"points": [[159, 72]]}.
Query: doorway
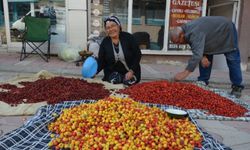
{"points": [[229, 9]]}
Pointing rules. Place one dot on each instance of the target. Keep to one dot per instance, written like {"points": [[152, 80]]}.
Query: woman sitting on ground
{"points": [[119, 55]]}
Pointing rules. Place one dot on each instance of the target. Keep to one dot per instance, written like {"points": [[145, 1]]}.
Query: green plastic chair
{"points": [[36, 34]]}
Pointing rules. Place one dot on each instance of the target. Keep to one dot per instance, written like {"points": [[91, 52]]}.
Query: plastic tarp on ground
{"points": [[35, 135], [202, 114]]}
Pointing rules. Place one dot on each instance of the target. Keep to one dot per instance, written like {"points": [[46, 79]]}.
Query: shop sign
{"points": [[181, 12]]}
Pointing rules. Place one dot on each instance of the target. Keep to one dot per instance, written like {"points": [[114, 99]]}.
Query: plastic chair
{"points": [[36, 34]]}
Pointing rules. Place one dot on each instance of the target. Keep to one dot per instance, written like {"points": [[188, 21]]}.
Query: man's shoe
{"points": [[199, 82], [236, 91]]}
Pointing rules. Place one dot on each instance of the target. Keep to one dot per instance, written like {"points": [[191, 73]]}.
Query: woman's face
{"points": [[112, 29]]}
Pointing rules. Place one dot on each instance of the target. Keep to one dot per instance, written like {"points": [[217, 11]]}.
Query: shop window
{"points": [[151, 15], [136, 14], [16, 11], [55, 10], [155, 13], [148, 18], [2, 25], [100, 9]]}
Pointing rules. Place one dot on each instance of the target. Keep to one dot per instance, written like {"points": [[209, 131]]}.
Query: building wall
{"points": [[165, 59], [244, 32]]}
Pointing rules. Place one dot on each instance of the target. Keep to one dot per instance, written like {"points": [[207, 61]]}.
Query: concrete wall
{"points": [[165, 59], [244, 32]]}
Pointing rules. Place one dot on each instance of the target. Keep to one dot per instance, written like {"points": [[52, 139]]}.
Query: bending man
{"points": [[208, 36]]}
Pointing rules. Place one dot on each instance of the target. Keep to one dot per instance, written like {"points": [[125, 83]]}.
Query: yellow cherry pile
{"points": [[115, 123]]}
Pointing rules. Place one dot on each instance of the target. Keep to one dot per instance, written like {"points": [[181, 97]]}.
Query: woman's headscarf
{"points": [[113, 19]]}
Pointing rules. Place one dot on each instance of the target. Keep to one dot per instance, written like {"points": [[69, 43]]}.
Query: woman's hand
{"points": [[129, 75]]}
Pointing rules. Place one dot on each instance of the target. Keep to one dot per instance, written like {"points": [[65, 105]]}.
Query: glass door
{"points": [[2, 26], [227, 9], [15, 10]]}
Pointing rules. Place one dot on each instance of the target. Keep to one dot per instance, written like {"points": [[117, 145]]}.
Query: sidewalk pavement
{"points": [[235, 134]]}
